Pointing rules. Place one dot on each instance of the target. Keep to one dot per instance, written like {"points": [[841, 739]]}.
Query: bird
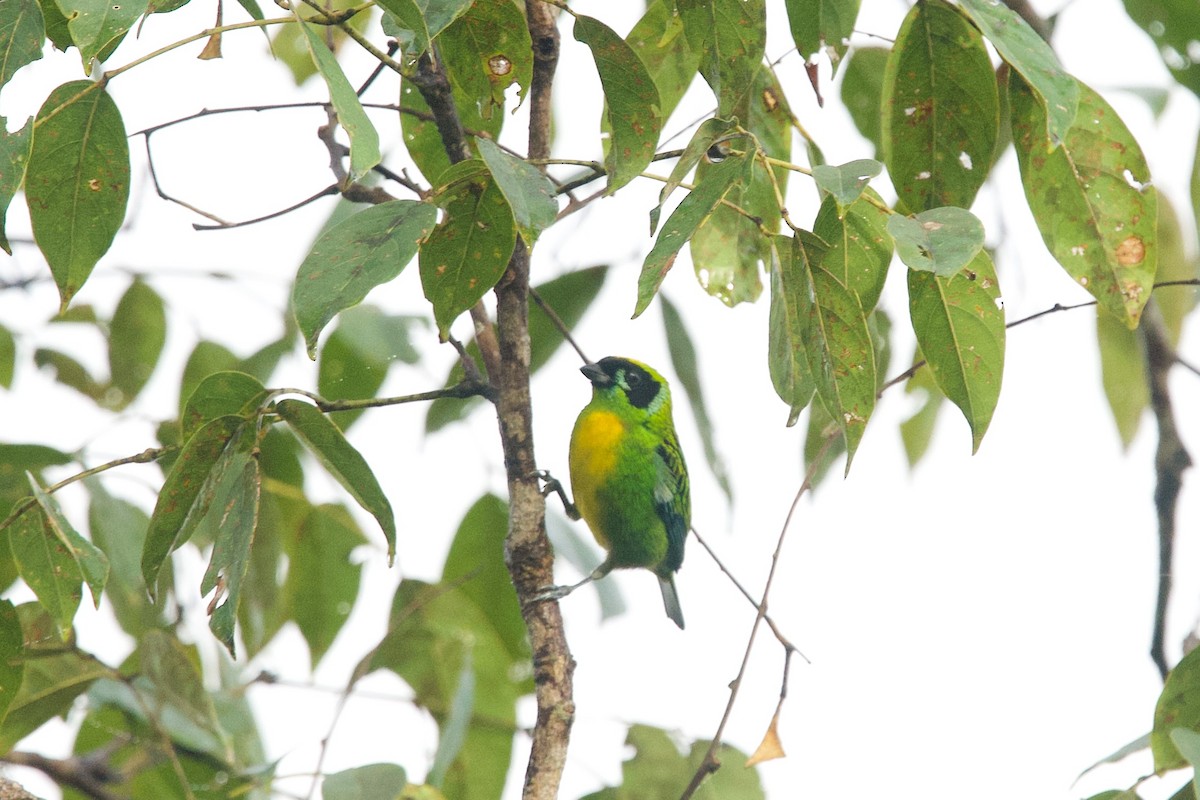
{"points": [[628, 476]]}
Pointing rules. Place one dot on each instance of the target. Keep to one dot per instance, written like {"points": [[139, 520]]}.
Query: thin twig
{"points": [[557, 321]]}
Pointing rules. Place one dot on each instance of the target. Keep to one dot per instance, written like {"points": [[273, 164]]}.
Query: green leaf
{"points": [[940, 240], [57, 30], [342, 461], [457, 722], [1124, 374], [371, 782], [569, 296], [1091, 199], [347, 261], [92, 563], [188, 492], [862, 91], [14, 156], [941, 109], [77, 180], [231, 552], [364, 139], [137, 335], [1027, 53], [959, 323], [1175, 27], [98, 26], [916, 432], [54, 676], [687, 368], [221, 394], [8, 356], [407, 15], [860, 248], [421, 135], [476, 565], [12, 663], [706, 135], [322, 580], [529, 193], [786, 358], [467, 253], [1174, 264], [22, 34], [835, 338], [69, 372], [1176, 708], [205, 359], [658, 769], [632, 102], [47, 566], [684, 220], [119, 529], [659, 41], [822, 23], [486, 50], [175, 681], [846, 182], [360, 351], [732, 36], [1188, 744]]}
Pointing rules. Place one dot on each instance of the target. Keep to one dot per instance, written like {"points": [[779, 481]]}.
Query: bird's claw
{"points": [[551, 593]]}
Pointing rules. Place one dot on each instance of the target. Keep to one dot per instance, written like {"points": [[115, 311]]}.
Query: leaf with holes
{"points": [[959, 323], [941, 109], [1091, 198], [846, 182], [98, 26], [366, 250], [940, 240], [77, 181]]}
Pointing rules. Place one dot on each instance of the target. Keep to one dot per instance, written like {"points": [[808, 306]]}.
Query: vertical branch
{"points": [[528, 552]]}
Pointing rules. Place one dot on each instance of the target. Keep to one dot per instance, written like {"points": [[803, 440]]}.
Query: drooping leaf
{"points": [[98, 26], [529, 193], [916, 432], [12, 665], [732, 36], [940, 109], [659, 41], [1124, 375], [409, 18], [467, 253], [1176, 708], [70, 372], [322, 580], [634, 116], [822, 23], [91, 561], [1029, 55], [175, 683], [47, 567], [22, 33], [568, 296], [342, 461], [1091, 199], [370, 782], [684, 220], [364, 139], [1175, 28], [358, 354], [786, 359], [959, 323], [862, 91], [846, 182], [231, 552], [940, 240], [15, 148], [686, 365], [835, 338], [860, 248], [456, 724], [118, 527], [77, 180], [220, 394], [366, 250], [188, 492], [1174, 264], [707, 133], [138, 332]]}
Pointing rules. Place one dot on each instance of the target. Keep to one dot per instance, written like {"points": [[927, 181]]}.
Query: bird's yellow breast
{"points": [[595, 448]]}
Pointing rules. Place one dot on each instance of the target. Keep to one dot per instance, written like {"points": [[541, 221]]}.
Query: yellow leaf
{"points": [[770, 747]]}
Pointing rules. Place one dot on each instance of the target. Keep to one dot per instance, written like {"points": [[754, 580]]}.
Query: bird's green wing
{"points": [[672, 500]]}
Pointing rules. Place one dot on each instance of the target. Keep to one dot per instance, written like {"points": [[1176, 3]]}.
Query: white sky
{"points": [[980, 624]]}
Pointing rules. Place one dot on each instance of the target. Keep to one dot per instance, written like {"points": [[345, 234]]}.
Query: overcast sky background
{"points": [[979, 624]]}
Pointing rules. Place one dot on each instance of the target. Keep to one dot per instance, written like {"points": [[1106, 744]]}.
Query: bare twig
{"points": [[557, 321], [88, 774]]}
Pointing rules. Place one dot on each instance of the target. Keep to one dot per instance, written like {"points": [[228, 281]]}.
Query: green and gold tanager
{"points": [[628, 476]]}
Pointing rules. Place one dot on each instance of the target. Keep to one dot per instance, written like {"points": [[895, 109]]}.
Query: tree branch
{"points": [[89, 774]]}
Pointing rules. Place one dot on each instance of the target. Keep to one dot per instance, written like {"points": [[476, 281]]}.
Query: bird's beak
{"points": [[597, 376]]}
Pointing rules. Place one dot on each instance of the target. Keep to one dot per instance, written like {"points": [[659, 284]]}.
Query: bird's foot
{"points": [[551, 593]]}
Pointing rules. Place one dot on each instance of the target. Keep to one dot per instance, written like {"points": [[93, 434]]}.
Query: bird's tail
{"points": [[671, 599]]}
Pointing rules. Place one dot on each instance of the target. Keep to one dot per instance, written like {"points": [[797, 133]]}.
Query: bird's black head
{"points": [[640, 384]]}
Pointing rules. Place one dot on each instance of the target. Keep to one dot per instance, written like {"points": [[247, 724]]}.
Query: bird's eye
{"points": [[633, 380]]}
